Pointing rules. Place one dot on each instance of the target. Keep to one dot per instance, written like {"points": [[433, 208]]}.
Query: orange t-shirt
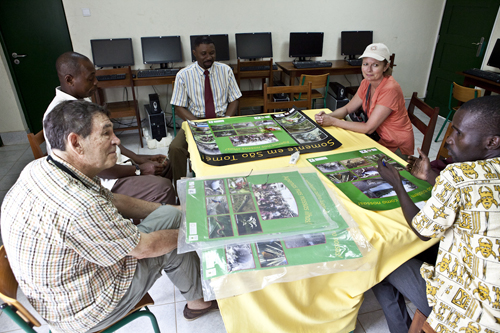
{"points": [[396, 131]]}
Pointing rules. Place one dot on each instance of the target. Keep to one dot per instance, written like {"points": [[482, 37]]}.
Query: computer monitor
{"points": [[494, 60], [254, 45], [221, 43], [354, 43], [161, 50], [305, 44], [112, 52]]}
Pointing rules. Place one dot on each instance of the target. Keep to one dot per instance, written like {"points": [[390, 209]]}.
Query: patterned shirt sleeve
{"points": [[102, 236], [441, 209], [234, 90]]}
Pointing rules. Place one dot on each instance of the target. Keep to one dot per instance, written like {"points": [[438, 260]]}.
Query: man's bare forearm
{"points": [[232, 108], [184, 113], [132, 207]]}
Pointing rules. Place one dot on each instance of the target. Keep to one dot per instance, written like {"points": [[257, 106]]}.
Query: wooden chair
{"points": [[25, 320], [427, 130], [123, 109], [353, 89], [461, 94], [35, 141], [318, 82], [269, 104], [419, 324], [443, 152], [251, 98]]}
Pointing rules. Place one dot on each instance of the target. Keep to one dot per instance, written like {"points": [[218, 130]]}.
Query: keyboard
{"points": [[157, 72], [490, 76], [258, 68], [312, 64], [355, 62], [111, 77]]}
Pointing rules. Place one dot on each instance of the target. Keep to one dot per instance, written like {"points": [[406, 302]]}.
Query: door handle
{"points": [[479, 46], [15, 55]]}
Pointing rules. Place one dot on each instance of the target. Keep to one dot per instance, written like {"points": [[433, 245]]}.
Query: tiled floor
{"points": [[168, 301]]}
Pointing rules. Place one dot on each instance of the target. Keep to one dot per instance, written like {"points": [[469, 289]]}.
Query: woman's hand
{"points": [[325, 119]]}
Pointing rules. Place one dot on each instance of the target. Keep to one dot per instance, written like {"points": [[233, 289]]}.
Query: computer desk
{"points": [[487, 85], [339, 67]]}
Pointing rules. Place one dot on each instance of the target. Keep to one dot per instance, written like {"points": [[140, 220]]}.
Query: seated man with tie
{"points": [[204, 90]]}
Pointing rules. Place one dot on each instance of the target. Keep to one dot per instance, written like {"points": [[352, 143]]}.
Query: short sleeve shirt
{"points": [[396, 131], [464, 211], [67, 245], [189, 88]]}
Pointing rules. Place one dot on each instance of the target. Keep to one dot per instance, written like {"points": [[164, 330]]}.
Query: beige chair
{"points": [[318, 82], [35, 141], [269, 104], [25, 320], [427, 130], [462, 95]]}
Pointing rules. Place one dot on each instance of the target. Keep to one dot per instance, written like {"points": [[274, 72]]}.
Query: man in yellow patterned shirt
{"points": [[461, 292]]}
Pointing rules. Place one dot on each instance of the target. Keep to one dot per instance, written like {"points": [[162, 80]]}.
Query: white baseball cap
{"points": [[377, 51]]}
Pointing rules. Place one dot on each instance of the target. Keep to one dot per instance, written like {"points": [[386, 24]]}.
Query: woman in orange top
{"points": [[382, 100]]}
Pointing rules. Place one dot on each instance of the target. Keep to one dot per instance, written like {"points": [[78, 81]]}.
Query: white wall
{"points": [[408, 27], [495, 34]]}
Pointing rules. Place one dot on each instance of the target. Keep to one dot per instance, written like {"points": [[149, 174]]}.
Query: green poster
{"points": [[355, 173], [248, 207], [298, 250]]}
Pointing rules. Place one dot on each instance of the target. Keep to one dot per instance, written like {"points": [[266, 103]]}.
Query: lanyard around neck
{"points": [[65, 169]]}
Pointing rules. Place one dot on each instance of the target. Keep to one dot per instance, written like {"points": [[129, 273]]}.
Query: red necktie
{"points": [[209, 98]]}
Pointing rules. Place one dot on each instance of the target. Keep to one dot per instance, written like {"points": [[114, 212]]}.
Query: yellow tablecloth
{"points": [[328, 303]]}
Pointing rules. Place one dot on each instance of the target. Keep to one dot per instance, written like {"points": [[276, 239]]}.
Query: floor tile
{"points": [[359, 328], [209, 323], [373, 322], [162, 291], [14, 147], [8, 180], [370, 303]]}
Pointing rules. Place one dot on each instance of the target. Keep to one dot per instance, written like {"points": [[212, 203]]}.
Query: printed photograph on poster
{"points": [[248, 224], [330, 167], [217, 205], [312, 136], [303, 126], [207, 138], [208, 148], [341, 177], [242, 203], [355, 162], [221, 134], [242, 125], [275, 201], [238, 185], [214, 187], [271, 254], [305, 240], [370, 171], [239, 257], [220, 226], [253, 139], [379, 188]]}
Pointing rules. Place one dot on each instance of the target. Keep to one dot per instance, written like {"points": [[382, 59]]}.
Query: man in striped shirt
{"points": [[189, 97], [80, 263]]}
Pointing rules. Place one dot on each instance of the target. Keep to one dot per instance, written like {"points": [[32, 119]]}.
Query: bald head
{"points": [[76, 74]]}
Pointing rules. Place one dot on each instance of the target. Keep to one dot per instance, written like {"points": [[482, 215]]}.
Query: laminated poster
{"points": [[224, 141], [355, 173], [250, 207], [298, 250]]}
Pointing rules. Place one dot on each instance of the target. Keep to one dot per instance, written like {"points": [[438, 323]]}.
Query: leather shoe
{"points": [[190, 314]]}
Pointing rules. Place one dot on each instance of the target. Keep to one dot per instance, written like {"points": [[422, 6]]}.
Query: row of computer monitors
{"points": [[167, 49]]}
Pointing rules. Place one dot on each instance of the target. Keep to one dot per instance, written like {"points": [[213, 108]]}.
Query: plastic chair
{"points": [[318, 82], [35, 141], [427, 130], [269, 104], [25, 320], [461, 94]]}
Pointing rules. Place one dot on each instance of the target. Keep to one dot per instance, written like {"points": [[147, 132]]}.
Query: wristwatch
{"points": [[137, 170]]}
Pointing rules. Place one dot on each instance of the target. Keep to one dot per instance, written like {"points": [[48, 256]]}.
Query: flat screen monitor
{"points": [[354, 43], [306, 44], [494, 60], [161, 50], [221, 43], [112, 52], [254, 45]]}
